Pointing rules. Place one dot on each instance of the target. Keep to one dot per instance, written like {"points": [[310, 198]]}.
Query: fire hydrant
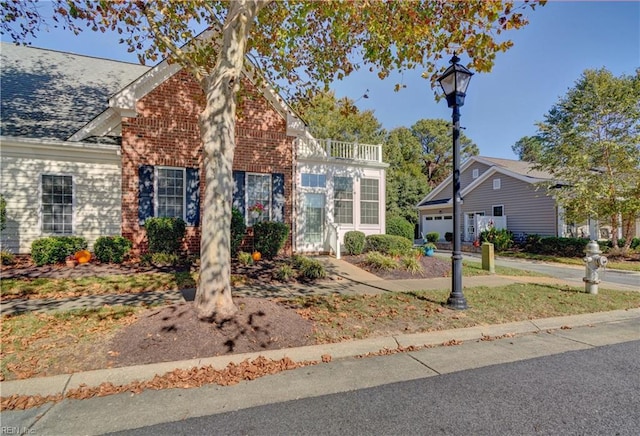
{"points": [[594, 261]]}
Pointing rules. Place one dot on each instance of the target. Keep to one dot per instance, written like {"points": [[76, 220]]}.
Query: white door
{"points": [[313, 228], [470, 225]]}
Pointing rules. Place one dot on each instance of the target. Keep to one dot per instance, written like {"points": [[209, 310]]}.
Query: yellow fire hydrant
{"points": [[594, 261]]}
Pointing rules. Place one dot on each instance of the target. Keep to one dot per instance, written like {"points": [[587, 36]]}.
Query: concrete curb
{"points": [[118, 376]]}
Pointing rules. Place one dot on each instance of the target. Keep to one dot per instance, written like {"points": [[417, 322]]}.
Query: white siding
{"points": [[332, 170], [96, 188]]}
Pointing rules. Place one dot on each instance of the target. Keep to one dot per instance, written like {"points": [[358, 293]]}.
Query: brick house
{"points": [[143, 124]]}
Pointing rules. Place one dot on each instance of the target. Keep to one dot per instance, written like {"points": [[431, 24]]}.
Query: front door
{"points": [[314, 218], [470, 226]]}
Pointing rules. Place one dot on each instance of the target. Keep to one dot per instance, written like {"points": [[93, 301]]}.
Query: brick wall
{"points": [[166, 133]]}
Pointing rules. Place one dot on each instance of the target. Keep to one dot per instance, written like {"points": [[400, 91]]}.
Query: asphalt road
{"points": [[587, 392], [569, 272]]}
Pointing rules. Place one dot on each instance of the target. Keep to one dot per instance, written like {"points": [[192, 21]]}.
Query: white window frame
{"points": [[475, 173], [343, 200], [41, 205], [497, 184], [266, 215], [493, 209], [319, 179], [376, 202], [156, 195]]}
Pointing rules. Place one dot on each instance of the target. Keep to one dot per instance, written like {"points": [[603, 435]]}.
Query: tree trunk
{"points": [[213, 300]]}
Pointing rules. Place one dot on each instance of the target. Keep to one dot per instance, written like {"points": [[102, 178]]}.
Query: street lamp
{"points": [[454, 82]]}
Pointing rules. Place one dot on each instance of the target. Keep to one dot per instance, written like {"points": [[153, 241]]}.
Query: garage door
{"points": [[437, 223]]}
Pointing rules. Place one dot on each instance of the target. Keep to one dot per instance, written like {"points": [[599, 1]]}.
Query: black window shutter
{"points": [[277, 187], [145, 196], [238, 191], [192, 217]]}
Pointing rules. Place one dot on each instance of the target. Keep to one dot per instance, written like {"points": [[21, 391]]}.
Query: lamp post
{"points": [[454, 82]]}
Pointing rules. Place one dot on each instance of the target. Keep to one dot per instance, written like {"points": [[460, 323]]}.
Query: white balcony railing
{"points": [[330, 149]]}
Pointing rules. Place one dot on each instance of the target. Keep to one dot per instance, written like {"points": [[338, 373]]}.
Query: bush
{"points": [[310, 269], [7, 258], [388, 243], [161, 259], [635, 243], [448, 236], [397, 225], [111, 249], [3, 213], [551, 245], [354, 242], [165, 234], [432, 237], [284, 273], [411, 264], [238, 229], [55, 249], [502, 239], [379, 261], [245, 258], [269, 237]]}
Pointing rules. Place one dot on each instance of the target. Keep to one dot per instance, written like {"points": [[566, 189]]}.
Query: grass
{"points": [[114, 284], [339, 317], [613, 264], [37, 344]]}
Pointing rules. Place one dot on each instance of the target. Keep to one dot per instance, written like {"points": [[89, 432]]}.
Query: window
{"points": [[258, 193], [343, 200], [170, 192], [496, 184], [314, 180], [474, 173], [498, 210], [369, 201], [57, 204]]}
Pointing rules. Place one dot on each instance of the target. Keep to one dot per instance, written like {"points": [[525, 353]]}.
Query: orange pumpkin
{"points": [[82, 256], [256, 256]]}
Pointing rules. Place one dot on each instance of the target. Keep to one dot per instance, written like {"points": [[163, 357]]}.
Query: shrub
{"points": [[165, 234], [7, 258], [379, 261], [55, 249], [411, 264], [3, 212], [635, 243], [354, 242], [397, 225], [432, 237], [502, 239], [269, 237], [310, 269], [448, 236], [388, 243], [551, 245], [284, 273], [111, 249], [161, 259], [238, 229], [245, 258]]}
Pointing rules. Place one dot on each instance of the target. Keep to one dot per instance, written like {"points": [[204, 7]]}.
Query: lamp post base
{"points": [[457, 303]]}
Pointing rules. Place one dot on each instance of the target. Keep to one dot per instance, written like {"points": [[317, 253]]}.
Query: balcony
{"points": [[328, 149]]}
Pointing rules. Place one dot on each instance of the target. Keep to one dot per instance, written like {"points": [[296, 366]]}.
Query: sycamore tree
{"points": [[435, 138], [590, 142], [307, 44]]}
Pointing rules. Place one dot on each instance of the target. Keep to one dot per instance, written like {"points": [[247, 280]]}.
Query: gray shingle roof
{"points": [[518, 166], [48, 94]]}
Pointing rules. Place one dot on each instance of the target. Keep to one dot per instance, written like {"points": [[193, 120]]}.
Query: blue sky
{"points": [[561, 41]]}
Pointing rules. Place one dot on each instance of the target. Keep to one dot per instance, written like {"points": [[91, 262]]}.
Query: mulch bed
{"points": [[432, 267], [175, 333]]}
